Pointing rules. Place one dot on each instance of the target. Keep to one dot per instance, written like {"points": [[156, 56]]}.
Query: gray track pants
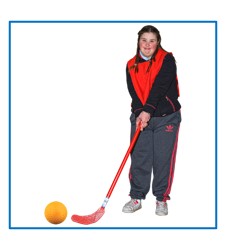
{"points": [[155, 151]]}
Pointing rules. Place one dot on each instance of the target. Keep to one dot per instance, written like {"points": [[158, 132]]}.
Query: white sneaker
{"points": [[161, 208], [132, 206]]}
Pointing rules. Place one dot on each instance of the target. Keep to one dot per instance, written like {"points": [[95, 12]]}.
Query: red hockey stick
{"points": [[94, 217]]}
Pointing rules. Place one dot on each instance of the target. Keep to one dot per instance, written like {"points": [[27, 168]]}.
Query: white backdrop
{"points": [[57, 154], [70, 121]]}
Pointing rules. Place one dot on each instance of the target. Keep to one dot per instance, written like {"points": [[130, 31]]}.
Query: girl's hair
{"points": [[147, 29]]}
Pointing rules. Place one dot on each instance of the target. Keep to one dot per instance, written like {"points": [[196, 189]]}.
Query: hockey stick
{"points": [[94, 217]]}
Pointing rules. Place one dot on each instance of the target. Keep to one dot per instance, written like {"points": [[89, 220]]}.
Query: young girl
{"points": [[153, 87]]}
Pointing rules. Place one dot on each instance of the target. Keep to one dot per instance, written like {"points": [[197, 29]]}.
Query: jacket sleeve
{"points": [[137, 106], [161, 84]]}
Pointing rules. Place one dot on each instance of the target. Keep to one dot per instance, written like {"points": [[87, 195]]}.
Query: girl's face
{"points": [[148, 44]]}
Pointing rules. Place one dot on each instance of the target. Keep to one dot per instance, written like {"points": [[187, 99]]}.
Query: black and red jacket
{"points": [[156, 91]]}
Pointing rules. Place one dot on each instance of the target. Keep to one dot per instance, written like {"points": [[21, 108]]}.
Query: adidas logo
{"points": [[169, 128]]}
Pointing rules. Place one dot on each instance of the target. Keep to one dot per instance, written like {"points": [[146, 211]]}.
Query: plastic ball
{"points": [[55, 212]]}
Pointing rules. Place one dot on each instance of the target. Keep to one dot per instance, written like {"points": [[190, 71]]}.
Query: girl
{"points": [[153, 87]]}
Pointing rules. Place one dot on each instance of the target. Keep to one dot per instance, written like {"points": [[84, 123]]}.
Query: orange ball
{"points": [[55, 212]]}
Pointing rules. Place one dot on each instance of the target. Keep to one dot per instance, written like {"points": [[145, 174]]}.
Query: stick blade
{"points": [[89, 219]]}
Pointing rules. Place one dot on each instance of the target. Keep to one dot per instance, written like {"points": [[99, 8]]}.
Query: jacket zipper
{"points": [[171, 103]]}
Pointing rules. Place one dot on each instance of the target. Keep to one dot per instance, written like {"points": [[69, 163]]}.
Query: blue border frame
{"points": [[216, 121]]}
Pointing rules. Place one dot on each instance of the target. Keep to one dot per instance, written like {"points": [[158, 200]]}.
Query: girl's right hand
{"points": [[143, 118]]}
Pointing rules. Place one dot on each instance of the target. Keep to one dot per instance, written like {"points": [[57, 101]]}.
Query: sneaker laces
{"points": [[161, 205], [134, 202]]}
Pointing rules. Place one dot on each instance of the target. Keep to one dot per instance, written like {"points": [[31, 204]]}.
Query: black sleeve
{"points": [[161, 84], [137, 106]]}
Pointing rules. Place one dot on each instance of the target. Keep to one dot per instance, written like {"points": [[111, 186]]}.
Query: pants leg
{"points": [[141, 162], [166, 131]]}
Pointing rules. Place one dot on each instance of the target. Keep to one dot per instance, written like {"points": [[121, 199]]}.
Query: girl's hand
{"points": [[144, 118]]}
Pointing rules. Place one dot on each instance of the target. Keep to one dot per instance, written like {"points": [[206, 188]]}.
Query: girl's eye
{"points": [[148, 41]]}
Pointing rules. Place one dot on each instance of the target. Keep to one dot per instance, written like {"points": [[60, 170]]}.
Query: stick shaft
{"points": [[133, 141]]}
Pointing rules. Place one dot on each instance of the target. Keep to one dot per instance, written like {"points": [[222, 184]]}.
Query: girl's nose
{"points": [[147, 43]]}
